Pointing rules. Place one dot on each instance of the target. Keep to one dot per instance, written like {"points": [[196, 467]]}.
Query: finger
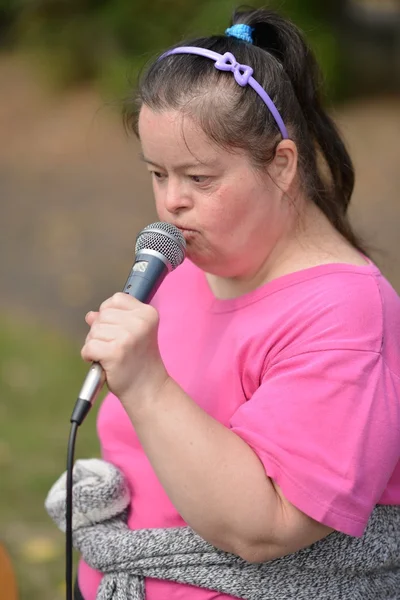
{"points": [[122, 301], [90, 317], [96, 350], [106, 315], [112, 316], [107, 332]]}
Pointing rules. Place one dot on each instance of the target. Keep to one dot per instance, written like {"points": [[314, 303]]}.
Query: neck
{"points": [[311, 242], [256, 274], [233, 287]]}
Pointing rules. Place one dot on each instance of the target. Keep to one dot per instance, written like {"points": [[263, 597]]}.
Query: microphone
{"points": [[160, 248]]}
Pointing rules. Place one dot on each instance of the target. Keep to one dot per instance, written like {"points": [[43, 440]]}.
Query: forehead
{"points": [[174, 134]]}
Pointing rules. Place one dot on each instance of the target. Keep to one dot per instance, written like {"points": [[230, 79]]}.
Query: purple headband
{"points": [[242, 74]]}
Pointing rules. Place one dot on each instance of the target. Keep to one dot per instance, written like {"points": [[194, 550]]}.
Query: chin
{"points": [[203, 262], [211, 266]]}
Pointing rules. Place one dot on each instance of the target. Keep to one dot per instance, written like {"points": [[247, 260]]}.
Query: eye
{"points": [[158, 175], [199, 178]]}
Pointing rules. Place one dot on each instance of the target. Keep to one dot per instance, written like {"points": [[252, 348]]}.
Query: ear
{"points": [[283, 168]]}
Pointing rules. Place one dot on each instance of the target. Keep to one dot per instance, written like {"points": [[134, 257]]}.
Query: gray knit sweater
{"points": [[338, 567]]}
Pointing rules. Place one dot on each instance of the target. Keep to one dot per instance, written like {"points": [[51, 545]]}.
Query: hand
{"points": [[123, 339]]}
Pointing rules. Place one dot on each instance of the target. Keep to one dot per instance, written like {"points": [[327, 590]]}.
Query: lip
{"points": [[188, 234], [187, 229]]}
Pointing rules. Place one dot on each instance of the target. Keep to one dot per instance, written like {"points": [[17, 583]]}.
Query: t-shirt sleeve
{"points": [[325, 425]]}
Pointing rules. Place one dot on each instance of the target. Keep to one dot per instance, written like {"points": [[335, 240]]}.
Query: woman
{"points": [[257, 399]]}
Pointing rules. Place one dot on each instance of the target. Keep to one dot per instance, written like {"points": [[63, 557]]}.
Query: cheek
{"points": [[229, 208], [223, 204]]}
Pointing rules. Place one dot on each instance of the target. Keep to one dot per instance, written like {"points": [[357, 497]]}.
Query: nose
{"points": [[176, 198]]}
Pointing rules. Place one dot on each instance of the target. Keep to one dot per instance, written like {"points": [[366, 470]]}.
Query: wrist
{"points": [[141, 401]]}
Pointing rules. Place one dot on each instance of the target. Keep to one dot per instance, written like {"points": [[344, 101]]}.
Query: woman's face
{"points": [[232, 216]]}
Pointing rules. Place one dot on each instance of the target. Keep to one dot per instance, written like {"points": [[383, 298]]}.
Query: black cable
{"points": [[68, 512], [91, 387]]}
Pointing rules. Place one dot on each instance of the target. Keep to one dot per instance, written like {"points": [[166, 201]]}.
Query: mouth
{"points": [[185, 229], [188, 234]]}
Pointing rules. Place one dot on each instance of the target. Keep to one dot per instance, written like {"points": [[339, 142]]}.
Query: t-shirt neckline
{"points": [[215, 304]]}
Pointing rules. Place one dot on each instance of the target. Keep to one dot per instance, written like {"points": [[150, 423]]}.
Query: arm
{"points": [[213, 478], [216, 482]]}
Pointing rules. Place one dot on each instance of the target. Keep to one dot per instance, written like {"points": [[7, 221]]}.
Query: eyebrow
{"points": [[180, 167]]}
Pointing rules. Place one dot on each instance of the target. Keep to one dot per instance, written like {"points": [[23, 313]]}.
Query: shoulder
{"points": [[337, 307], [346, 300]]}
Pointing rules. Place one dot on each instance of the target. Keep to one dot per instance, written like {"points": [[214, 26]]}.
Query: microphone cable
{"points": [[160, 248], [68, 511]]}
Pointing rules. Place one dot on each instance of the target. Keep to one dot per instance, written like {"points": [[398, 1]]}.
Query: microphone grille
{"points": [[164, 238]]}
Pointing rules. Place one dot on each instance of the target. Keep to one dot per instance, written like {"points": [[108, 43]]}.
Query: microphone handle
{"points": [[147, 273], [146, 276]]}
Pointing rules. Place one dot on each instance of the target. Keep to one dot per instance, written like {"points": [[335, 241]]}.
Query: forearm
{"points": [[213, 478]]}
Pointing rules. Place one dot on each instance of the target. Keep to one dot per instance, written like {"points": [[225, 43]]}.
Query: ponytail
{"points": [[282, 39]]}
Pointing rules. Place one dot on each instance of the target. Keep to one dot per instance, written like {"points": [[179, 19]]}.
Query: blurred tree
{"points": [[370, 31], [8, 15], [104, 40]]}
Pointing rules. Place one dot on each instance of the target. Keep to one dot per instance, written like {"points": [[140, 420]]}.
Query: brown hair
{"points": [[235, 117]]}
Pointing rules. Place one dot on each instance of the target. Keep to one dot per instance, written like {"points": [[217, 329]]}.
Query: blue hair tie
{"points": [[241, 32]]}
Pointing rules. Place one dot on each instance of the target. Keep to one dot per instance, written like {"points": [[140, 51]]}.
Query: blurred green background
{"points": [[74, 195]]}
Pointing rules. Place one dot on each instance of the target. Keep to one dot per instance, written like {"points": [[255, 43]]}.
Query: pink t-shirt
{"points": [[305, 369]]}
